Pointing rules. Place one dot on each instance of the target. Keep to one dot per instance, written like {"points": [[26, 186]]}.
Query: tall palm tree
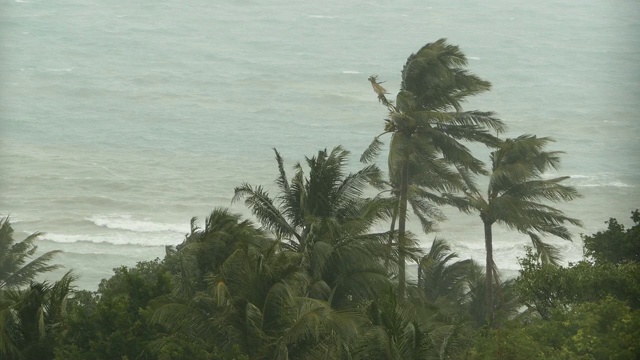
{"points": [[15, 268], [514, 198], [428, 127]]}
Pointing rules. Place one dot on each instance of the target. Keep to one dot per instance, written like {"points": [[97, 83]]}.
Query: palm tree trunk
{"points": [[488, 238], [391, 230], [402, 223]]}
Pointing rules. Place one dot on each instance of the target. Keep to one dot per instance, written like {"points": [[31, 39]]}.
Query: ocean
{"points": [[121, 120]]}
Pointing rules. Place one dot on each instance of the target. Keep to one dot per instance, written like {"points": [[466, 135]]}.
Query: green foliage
{"points": [[394, 332], [314, 281], [114, 322], [441, 279], [543, 287], [15, 271], [615, 244], [33, 318], [325, 219], [589, 310], [604, 329], [31, 313]]}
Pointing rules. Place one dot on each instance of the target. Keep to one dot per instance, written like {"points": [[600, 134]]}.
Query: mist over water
{"points": [[120, 121]]}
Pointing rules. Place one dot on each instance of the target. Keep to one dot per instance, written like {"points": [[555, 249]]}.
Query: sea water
{"points": [[121, 120]]}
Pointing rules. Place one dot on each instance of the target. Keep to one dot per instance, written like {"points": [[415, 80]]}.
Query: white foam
{"points": [[127, 222], [618, 184], [321, 16], [116, 239], [598, 180], [350, 72], [473, 58]]}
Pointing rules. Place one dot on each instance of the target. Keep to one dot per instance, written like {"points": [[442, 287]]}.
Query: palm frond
{"points": [[262, 206], [547, 253], [282, 181], [373, 150]]}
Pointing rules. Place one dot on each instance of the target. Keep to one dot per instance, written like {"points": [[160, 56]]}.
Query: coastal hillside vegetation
{"points": [[320, 270]]}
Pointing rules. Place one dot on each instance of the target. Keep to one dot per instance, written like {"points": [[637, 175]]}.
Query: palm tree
{"points": [[516, 188], [256, 300], [440, 277], [325, 218], [304, 206], [31, 317], [204, 250], [428, 127], [475, 304], [15, 269], [395, 331]]}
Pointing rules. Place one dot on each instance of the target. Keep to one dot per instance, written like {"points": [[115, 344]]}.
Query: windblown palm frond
{"points": [[547, 253], [395, 331], [440, 276], [16, 269], [263, 207], [372, 151]]}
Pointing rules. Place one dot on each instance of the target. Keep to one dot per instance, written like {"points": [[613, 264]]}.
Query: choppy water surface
{"points": [[120, 121]]}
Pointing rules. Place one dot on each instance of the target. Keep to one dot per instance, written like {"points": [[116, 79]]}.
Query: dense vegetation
{"points": [[311, 279]]}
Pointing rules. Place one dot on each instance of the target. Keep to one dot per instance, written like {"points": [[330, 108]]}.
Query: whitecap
{"points": [[598, 180], [473, 57], [127, 222], [618, 184], [115, 239], [350, 72], [321, 16]]}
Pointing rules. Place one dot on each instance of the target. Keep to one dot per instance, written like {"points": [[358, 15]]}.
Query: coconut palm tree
{"points": [[440, 277], [204, 250], [15, 268], [514, 198], [300, 211], [428, 127], [394, 332], [325, 218], [30, 318], [256, 300], [25, 313]]}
